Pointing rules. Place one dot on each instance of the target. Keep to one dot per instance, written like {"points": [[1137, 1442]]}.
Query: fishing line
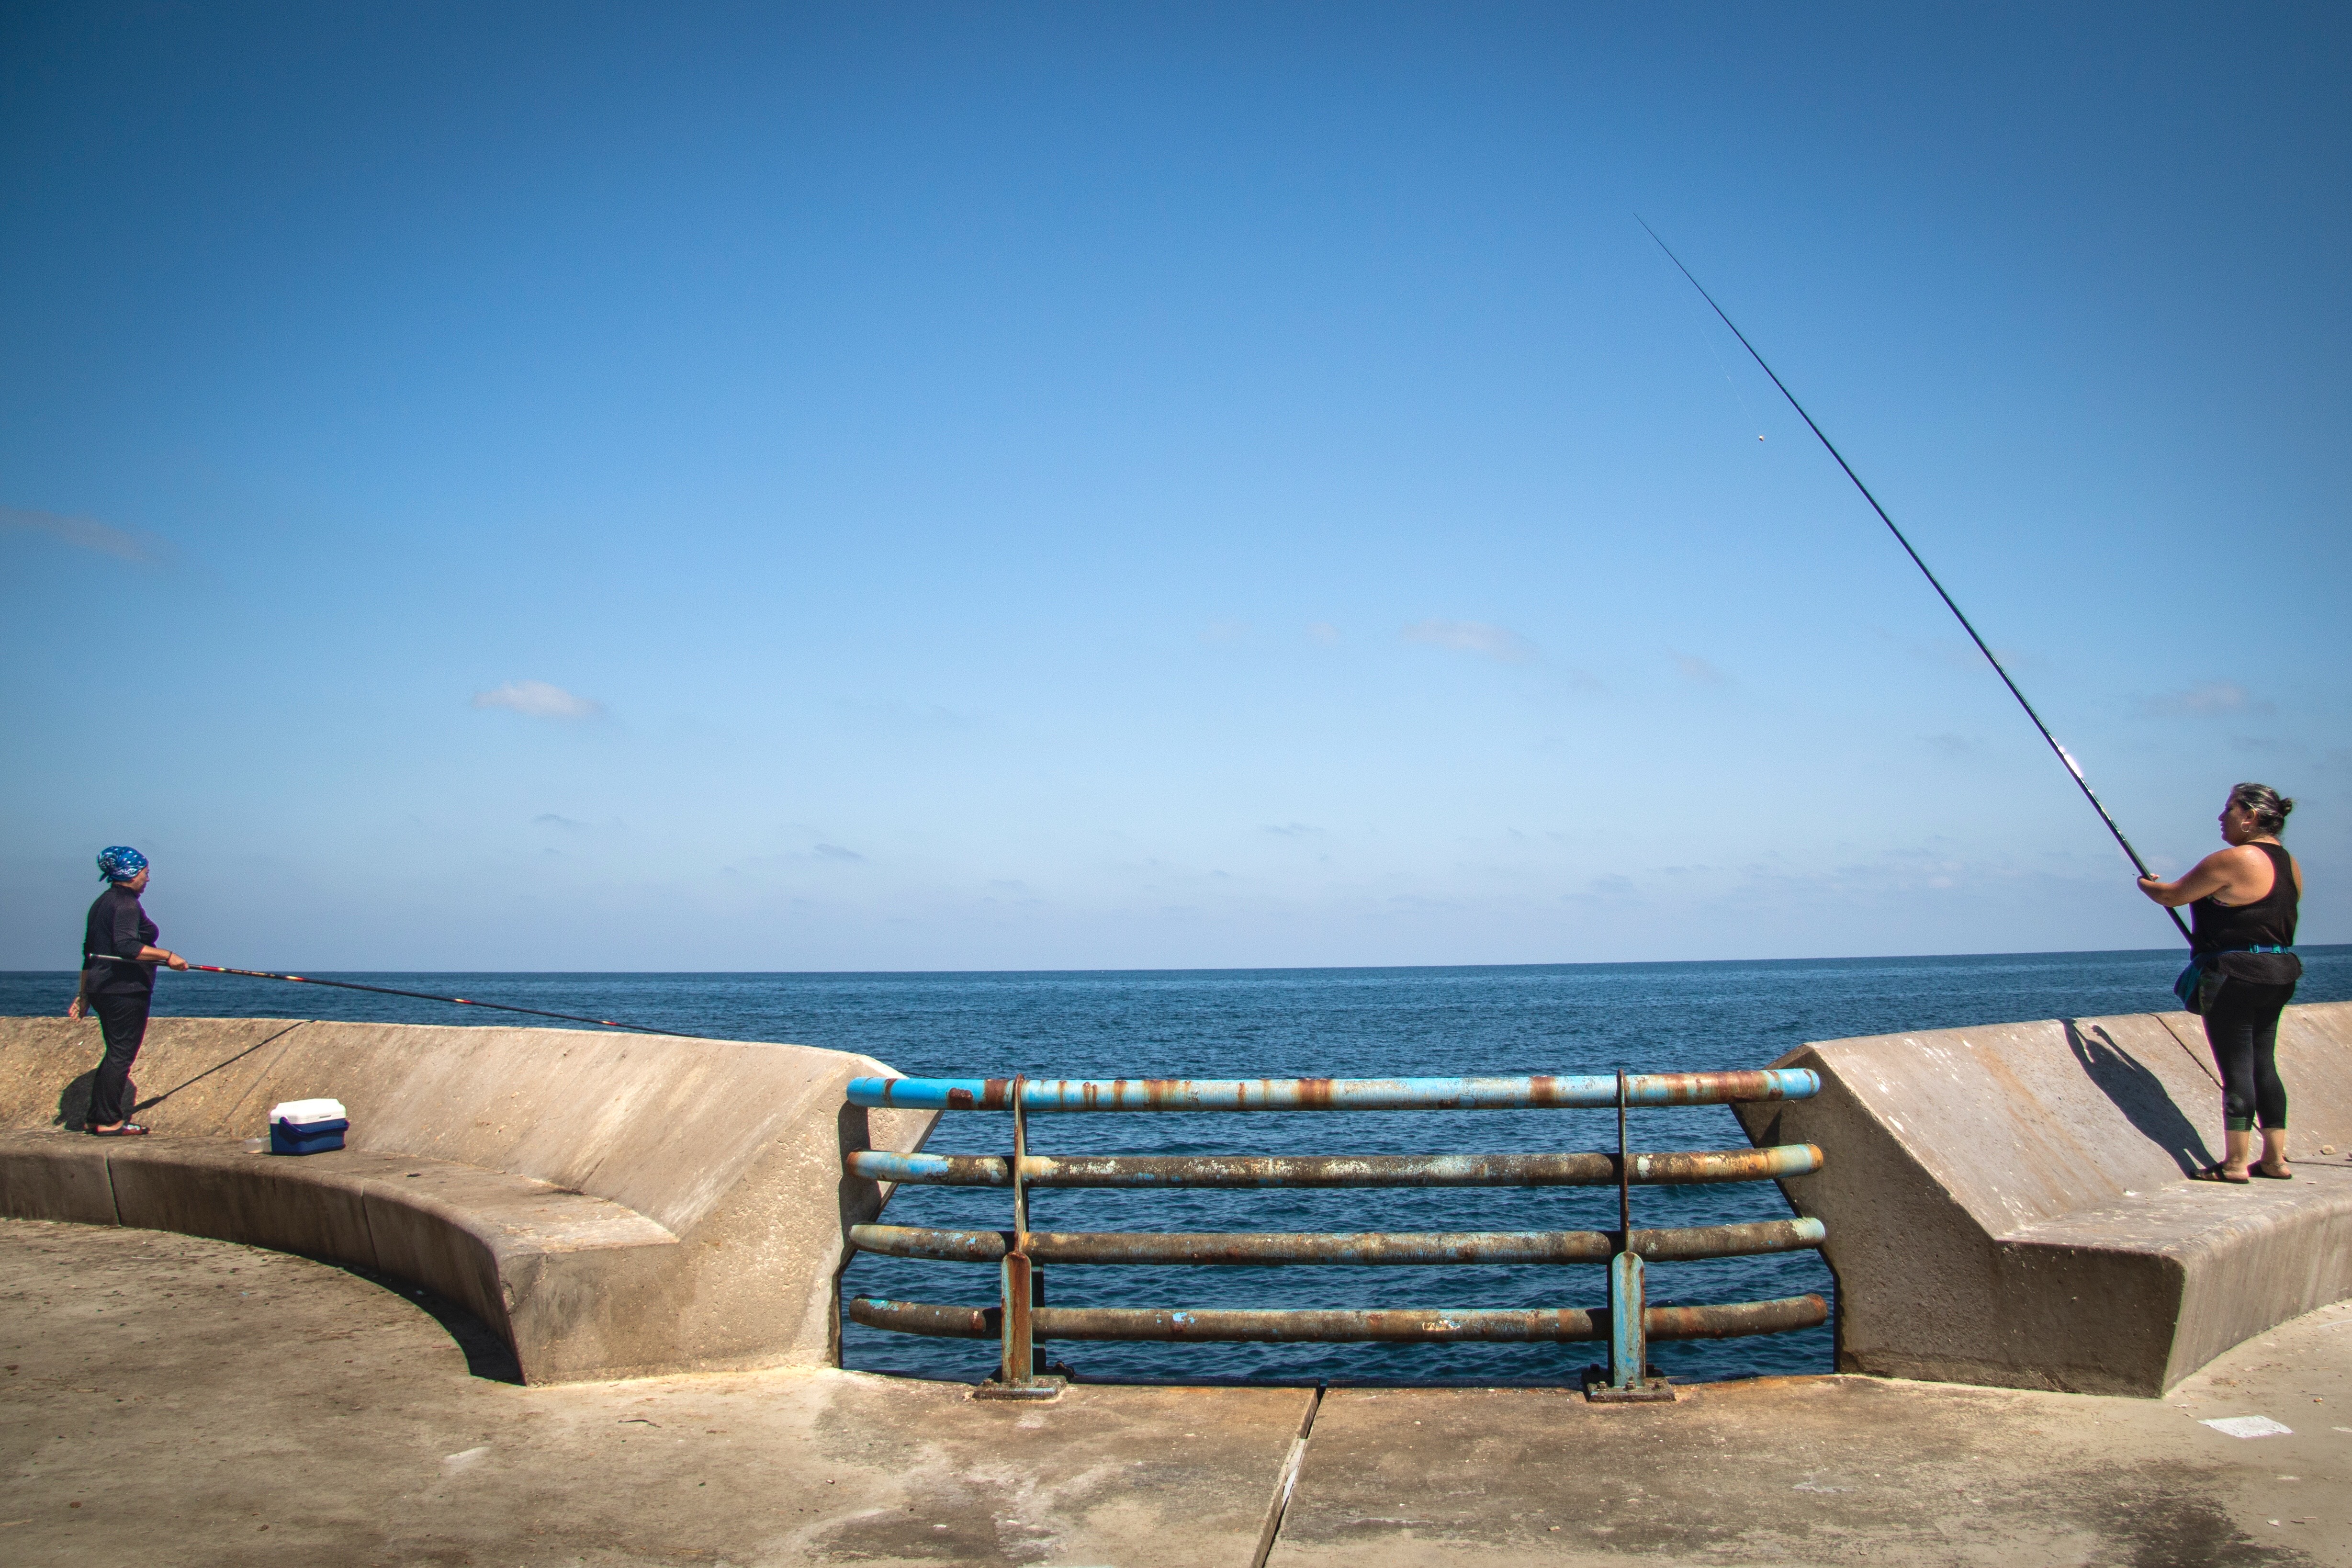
{"points": [[1747, 414], [153, 1101], [420, 996], [2073, 768]]}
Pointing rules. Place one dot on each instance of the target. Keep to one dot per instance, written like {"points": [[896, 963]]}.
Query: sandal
{"points": [[2216, 1173], [2270, 1175], [128, 1130]]}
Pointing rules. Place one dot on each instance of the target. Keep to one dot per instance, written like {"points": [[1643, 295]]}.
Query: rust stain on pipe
{"points": [[1392, 1325], [1593, 1169], [1367, 1248]]}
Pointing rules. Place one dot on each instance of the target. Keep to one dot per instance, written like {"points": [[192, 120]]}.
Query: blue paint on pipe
{"points": [[1541, 1091], [1770, 1163], [1628, 1299]]}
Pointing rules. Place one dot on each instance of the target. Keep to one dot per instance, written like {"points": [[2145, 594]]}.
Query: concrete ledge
{"points": [[53, 1177], [534, 1262], [614, 1205], [2009, 1206]]}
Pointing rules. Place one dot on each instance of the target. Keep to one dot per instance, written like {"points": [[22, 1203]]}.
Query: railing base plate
{"points": [[1037, 1389], [1651, 1390]]}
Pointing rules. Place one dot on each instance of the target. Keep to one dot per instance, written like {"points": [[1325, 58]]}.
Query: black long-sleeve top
{"points": [[117, 925]]}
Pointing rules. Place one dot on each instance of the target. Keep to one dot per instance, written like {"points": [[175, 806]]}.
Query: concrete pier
{"points": [[2006, 1205], [172, 1401], [610, 1205], [2010, 1204]]}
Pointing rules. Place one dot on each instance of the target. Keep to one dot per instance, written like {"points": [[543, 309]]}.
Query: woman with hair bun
{"points": [[2243, 901]]}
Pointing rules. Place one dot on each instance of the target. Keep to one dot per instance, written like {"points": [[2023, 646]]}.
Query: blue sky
{"points": [[908, 487]]}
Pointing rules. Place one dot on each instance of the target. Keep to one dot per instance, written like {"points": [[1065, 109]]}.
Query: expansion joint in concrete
{"points": [[1288, 1482]]}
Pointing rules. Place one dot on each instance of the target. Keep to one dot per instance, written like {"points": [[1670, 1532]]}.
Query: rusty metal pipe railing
{"points": [[1536, 1091], [1388, 1324], [1577, 1170], [1021, 1318], [1367, 1248]]}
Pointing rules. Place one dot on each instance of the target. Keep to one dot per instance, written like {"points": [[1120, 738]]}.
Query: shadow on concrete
{"points": [[73, 1101], [487, 1354], [138, 1104], [2140, 1094]]}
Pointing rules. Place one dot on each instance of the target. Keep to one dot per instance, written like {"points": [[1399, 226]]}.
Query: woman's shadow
{"points": [[73, 1101], [2140, 1094]]}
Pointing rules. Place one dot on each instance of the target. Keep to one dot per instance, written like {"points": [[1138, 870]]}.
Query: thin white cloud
{"points": [[1498, 643], [835, 852], [1693, 667], [2204, 700], [1323, 632], [539, 700], [84, 533]]}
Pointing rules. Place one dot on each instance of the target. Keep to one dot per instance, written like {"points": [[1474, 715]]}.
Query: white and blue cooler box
{"points": [[306, 1126]]}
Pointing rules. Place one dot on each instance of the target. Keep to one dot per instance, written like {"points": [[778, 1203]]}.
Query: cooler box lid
{"points": [[301, 1112]]}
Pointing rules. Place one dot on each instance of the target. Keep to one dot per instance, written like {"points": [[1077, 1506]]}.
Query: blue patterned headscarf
{"points": [[119, 862]]}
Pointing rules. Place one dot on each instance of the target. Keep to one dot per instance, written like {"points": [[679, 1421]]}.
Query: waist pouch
{"points": [[116, 981], [2195, 983]]}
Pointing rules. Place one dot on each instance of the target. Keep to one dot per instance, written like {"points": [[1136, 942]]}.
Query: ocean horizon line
{"points": [[1270, 969]]}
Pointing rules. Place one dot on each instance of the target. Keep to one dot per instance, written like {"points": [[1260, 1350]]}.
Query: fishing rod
{"points": [[420, 996], [2073, 768]]}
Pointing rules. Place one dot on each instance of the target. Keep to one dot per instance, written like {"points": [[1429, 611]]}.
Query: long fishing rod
{"points": [[420, 996], [2073, 768]]}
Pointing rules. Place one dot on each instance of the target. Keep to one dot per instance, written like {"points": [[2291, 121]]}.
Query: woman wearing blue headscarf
{"points": [[118, 979]]}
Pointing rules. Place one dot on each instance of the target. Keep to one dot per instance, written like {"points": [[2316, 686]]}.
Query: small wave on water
{"points": [[1336, 1023]]}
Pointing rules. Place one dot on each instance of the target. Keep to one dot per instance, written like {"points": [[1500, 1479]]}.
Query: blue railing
{"points": [[1627, 1322]]}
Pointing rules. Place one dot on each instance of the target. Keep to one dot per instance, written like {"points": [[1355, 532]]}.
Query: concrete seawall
{"points": [[2005, 1206], [616, 1205], [2008, 1205]]}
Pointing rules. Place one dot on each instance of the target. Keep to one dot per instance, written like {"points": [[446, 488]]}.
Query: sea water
{"points": [[1336, 1023]]}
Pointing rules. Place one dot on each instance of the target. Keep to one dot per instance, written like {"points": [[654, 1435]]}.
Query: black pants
{"points": [[2241, 1025], [122, 1019]]}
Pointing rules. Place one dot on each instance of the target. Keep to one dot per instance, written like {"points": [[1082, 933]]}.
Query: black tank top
{"points": [[2268, 921]]}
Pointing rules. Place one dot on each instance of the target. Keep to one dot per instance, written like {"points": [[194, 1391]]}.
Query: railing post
{"points": [[1020, 1338], [1628, 1299], [1628, 1349], [1629, 1376], [1022, 1285]]}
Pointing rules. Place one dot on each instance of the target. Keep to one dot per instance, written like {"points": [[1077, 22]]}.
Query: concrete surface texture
{"points": [[2009, 1206], [611, 1204], [172, 1400]]}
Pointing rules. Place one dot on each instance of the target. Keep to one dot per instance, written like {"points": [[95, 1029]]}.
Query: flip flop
{"points": [[2270, 1175], [128, 1130], [2215, 1173]]}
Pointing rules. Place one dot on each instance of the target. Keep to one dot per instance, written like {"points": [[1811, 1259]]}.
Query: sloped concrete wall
{"points": [[2009, 1204], [732, 1151]]}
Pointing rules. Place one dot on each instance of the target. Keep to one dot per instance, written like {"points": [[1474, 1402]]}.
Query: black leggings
{"points": [[122, 1019], [2241, 1025]]}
